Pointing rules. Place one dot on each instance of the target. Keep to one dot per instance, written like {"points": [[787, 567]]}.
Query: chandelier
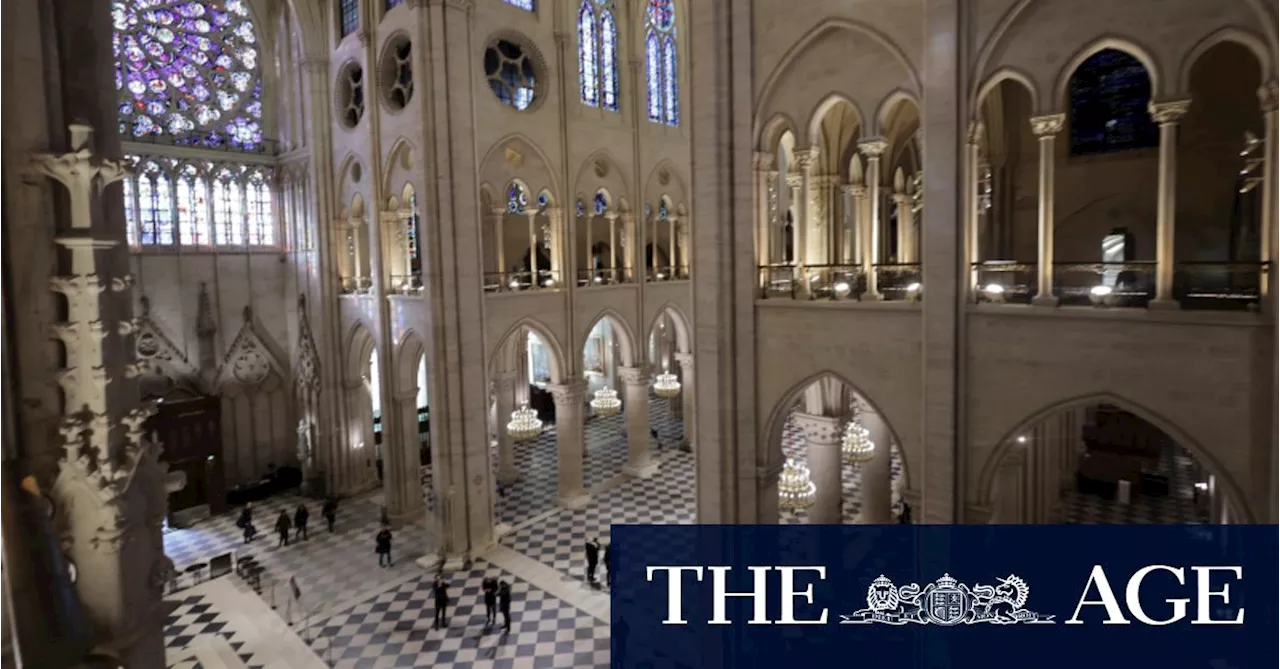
{"points": [[524, 425], [606, 402], [795, 489], [856, 445], [666, 386]]}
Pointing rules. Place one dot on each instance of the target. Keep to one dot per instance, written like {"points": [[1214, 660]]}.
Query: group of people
{"points": [[593, 560], [283, 523], [497, 599]]}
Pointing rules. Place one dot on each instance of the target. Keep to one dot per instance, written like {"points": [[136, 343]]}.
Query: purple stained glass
{"points": [[588, 70], [670, 82], [653, 76], [517, 198], [662, 14], [608, 61], [188, 70], [601, 202]]}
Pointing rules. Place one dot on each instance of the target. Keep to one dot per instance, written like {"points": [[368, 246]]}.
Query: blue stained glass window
{"points": [[662, 74], [188, 71], [393, 3], [1109, 94], [130, 213], [349, 16], [587, 67], [517, 198], [526, 5], [543, 200], [662, 210], [581, 208], [608, 61], [415, 265], [228, 210], [601, 203]]}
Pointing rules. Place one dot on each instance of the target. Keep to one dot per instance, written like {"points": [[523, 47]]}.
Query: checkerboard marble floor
{"points": [[793, 445], [193, 616]]}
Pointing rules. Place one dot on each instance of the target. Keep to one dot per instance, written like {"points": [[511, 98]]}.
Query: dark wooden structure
{"points": [[190, 430]]}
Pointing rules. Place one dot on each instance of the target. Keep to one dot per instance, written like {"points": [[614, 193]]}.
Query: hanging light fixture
{"points": [[606, 402], [666, 386], [856, 445], [524, 425], [795, 489]]}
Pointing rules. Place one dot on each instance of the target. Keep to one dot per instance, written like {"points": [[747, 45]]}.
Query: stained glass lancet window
{"points": [[601, 203], [598, 54], [261, 224], [517, 198], [349, 16], [1109, 93], [188, 72], [662, 74], [228, 209], [526, 5], [130, 213], [193, 208]]}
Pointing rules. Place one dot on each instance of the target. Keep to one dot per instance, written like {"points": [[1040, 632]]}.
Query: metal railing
{"points": [[1219, 285], [515, 282], [1112, 284], [590, 278], [666, 273], [1004, 281], [405, 284], [779, 281], [834, 282], [356, 285], [898, 281]]}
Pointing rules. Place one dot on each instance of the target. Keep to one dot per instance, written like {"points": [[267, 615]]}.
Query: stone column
{"points": [[636, 405], [762, 163], [877, 474], [555, 221], [500, 248], [973, 233], [822, 438], [861, 213], [1166, 114], [532, 213], [804, 162], [872, 149], [1040, 477], [1269, 98], [687, 397], [1011, 495], [570, 398], [1046, 128], [612, 217], [673, 246], [402, 485], [902, 203], [504, 395]]}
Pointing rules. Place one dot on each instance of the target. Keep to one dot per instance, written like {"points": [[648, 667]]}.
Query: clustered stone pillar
{"points": [[1046, 128], [403, 485], [973, 238], [499, 244], [687, 396], [110, 492], [614, 275], [636, 405], [570, 397], [822, 437], [555, 226], [876, 477], [906, 233], [532, 213], [872, 149], [762, 164], [805, 159], [504, 398], [1166, 114]]}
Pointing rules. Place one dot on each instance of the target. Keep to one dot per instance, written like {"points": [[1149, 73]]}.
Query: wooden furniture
{"points": [[190, 430]]}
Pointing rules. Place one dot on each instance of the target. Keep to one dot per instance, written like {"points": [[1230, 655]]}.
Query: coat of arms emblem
{"points": [[947, 602]]}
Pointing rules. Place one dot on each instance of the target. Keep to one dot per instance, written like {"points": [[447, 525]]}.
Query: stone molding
{"points": [[1047, 125], [634, 376], [571, 393], [1165, 113], [873, 147]]}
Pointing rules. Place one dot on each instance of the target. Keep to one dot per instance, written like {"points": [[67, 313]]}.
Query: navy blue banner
{"points": [[1042, 596]]}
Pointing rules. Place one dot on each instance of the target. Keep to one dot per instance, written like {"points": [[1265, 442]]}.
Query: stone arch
{"points": [[589, 179], [348, 183], [558, 367], [517, 156], [1244, 38], [820, 111], [409, 350], [683, 342], [777, 420], [890, 104], [998, 77], [987, 475], [621, 329], [654, 189], [398, 167], [771, 132], [360, 343], [1127, 45]]}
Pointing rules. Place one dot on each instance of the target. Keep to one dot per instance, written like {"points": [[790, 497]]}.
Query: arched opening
{"points": [[518, 247], [602, 242], [1005, 240], [663, 258], [373, 386], [841, 462], [1102, 461], [898, 188], [830, 238], [605, 352], [402, 236], [671, 407]]}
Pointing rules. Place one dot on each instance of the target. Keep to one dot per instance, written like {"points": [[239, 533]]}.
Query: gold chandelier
{"points": [[795, 488], [666, 386], [856, 444], [606, 402], [524, 425]]}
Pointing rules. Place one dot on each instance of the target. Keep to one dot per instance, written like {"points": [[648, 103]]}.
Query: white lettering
{"points": [[789, 594], [1203, 594], [759, 595], [1098, 579], [1133, 596], [674, 599]]}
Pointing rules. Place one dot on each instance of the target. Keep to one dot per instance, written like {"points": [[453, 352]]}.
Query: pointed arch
{"points": [[589, 179], [398, 167], [831, 101], [409, 350], [777, 420], [621, 329], [557, 363], [683, 341], [1124, 44], [1244, 38], [771, 132], [513, 155], [890, 105], [674, 187], [608, 59], [360, 344], [987, 475], [1000, 76]]}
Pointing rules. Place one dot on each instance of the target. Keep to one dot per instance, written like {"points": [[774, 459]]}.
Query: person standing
{"points": [[383, 546], [300, 517], [504, 604], [282, 528], [245, 523], [330, 512], [593, 558], [441, 591], [608, 566], [490, 588]]}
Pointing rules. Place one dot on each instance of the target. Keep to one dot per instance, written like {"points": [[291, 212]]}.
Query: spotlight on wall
{"points": [[598, 279], [1022, 439], [515, 283], [1100, 296], [994, 292], [548, 283], [913, 292], [841, 288], [1202, 486]]}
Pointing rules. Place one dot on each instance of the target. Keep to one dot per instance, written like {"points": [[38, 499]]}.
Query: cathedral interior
{"points": [[447, 268]]}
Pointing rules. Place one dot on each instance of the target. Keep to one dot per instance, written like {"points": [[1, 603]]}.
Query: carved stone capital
{"points": [[977, 131], [805, 158], [873, 147], [1268, 96], [901, 199], [858, 192], [1165, 113], [570, 394], [1047, 125], [634, 376], [819, 429], [685, 360], [762, 161]]}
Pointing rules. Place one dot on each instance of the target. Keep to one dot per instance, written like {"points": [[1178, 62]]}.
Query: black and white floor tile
{"points": [[195, 616], [793, 446]]}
